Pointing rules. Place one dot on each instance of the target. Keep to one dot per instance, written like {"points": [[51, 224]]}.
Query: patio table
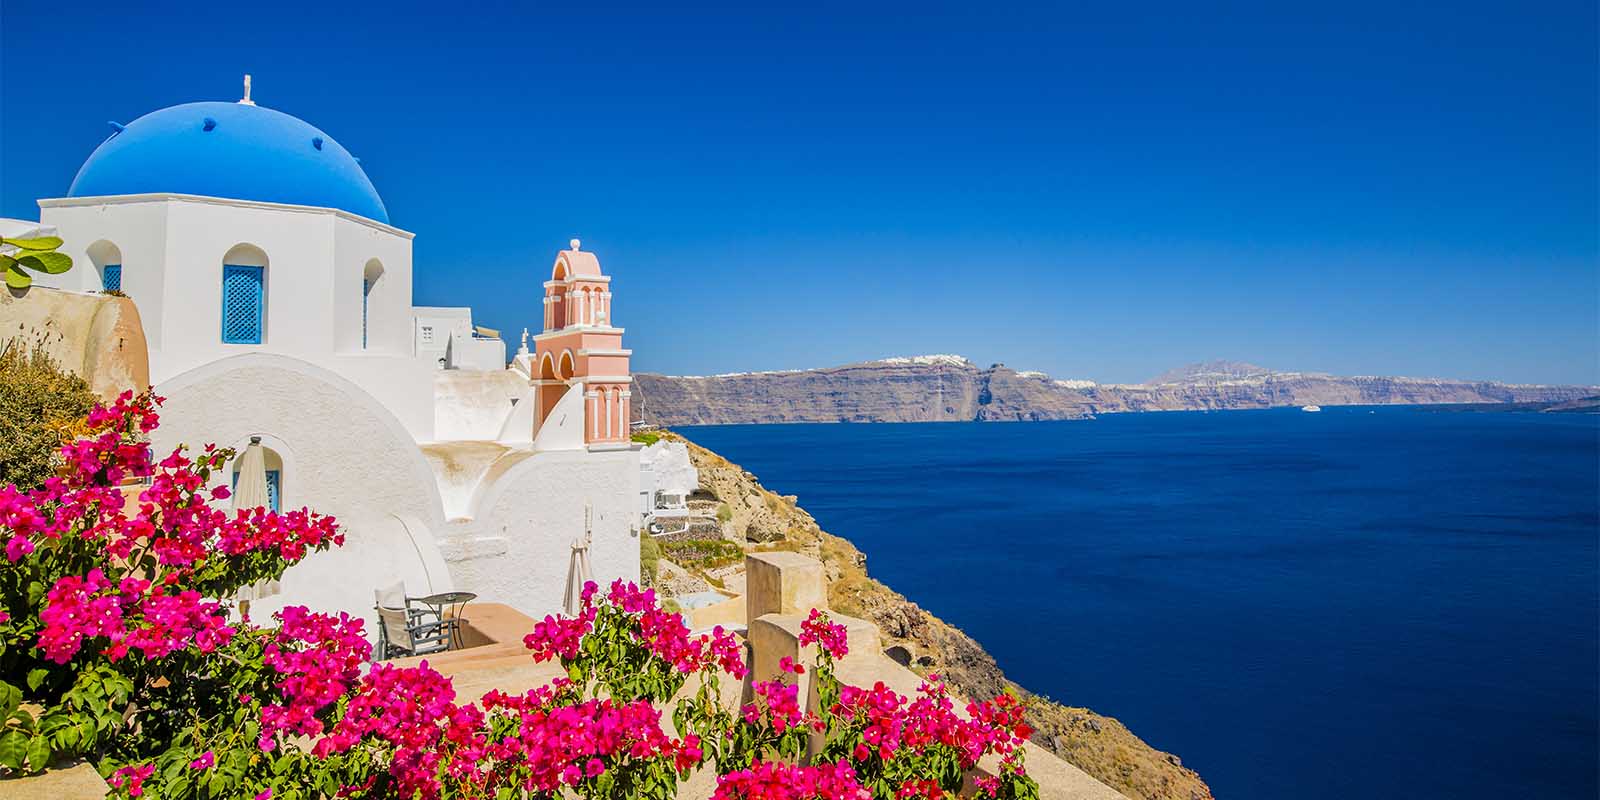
{"points": [[457, 603]]}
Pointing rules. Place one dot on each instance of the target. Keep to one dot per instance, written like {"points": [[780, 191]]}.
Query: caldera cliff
{"points": [[947, 388]]}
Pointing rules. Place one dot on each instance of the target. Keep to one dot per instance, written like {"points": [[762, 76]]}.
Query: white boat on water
{"points": [[1311, 408]]}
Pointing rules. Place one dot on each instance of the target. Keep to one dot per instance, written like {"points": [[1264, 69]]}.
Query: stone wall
{"points": [[97, 336]]}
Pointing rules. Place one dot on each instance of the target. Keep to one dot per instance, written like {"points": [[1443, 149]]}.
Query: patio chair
{"points": [[408, 629]]}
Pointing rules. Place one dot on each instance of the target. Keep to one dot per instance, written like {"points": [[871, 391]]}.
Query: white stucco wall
{"points": [[516, 547], [343, 454], [474, 404], [434, 326], [667, 465], [139, 233], [173, 248], [470, 352]]}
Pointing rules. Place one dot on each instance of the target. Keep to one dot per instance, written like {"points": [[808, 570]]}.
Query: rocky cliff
{"points": [[758, 519], [950, 389]]}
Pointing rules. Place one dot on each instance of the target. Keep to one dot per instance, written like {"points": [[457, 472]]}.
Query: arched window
{"points": [[274, 463], [369, 282], [567, 369], [107, 260], [547, 368], [244, 295], [613, 405]]}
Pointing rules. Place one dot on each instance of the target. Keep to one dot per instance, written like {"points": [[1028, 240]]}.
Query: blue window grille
{"points": [[366, 292], [274, 479], [243, 302], [111, 277]]}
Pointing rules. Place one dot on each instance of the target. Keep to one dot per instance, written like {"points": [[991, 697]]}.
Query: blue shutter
{"points": [[111, 277], [366, 291], [273, 495], [242, 304]]}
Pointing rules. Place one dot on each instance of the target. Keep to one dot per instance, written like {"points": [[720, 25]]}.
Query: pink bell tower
{"points": [[579, 345]]}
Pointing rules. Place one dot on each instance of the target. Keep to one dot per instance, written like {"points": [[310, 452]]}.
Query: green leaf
{"points": [[10, 698], [17, 279], [38, 753], [36, 678], [13, 749], [48, 263], [38, 243]]}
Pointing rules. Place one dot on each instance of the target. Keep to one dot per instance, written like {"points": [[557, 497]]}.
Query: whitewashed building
{"points": [[276, 298]]}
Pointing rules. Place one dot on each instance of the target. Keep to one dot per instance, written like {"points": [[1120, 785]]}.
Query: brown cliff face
{"points": [[952, 389], [1096, 744]]}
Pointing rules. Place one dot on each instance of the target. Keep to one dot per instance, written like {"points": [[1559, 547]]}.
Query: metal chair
{"points": [[405, 629]]}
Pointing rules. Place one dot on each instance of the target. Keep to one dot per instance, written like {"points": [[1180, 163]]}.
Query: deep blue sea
{"points": [[1378, 603]]}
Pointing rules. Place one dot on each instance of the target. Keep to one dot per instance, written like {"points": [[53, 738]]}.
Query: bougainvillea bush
{"points": [[115, 648]]}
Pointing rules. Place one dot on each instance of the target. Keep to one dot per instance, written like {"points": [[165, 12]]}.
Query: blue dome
{"points": [[231, 150]]}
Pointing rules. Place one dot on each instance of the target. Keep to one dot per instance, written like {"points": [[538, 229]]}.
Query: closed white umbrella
{"points": [[579, 572], [250, 492]]}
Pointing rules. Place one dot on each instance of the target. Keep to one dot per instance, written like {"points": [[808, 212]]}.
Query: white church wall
{"points": [[343, 454], [358, 247], [474, 404], [298, 250], [173, 249], [516, 548], [518, 425], [139, 233], [402, 384]]}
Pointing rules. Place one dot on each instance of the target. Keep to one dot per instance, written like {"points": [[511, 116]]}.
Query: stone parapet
{"points": [[78, 781], [781, 582]]}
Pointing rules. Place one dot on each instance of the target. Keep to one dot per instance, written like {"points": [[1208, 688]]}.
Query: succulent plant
{"points": [[17, 256]]}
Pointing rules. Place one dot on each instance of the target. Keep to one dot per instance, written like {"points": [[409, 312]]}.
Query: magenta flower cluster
{"points": [[312, 710]]}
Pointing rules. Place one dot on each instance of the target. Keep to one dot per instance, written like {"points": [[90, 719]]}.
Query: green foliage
{"points": [[724, 513], [38, 401], [647, 438], [649, 557], [703, 553], [17, 256]]}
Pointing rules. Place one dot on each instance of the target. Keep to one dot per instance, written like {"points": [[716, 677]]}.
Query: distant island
{"points": [[950, 388]]}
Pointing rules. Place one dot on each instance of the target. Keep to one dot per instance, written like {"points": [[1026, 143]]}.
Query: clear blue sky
{"points": [[1350, 187]]}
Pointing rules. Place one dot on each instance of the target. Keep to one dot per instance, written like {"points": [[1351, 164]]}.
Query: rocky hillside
{"points": [[950, 388], [1101, 746]]}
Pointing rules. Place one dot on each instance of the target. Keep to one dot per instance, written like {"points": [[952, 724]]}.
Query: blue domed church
{"points": [[275, 295]]}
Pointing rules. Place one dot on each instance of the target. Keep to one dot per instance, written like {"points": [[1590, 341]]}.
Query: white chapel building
{"points": [[276, 299]]}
